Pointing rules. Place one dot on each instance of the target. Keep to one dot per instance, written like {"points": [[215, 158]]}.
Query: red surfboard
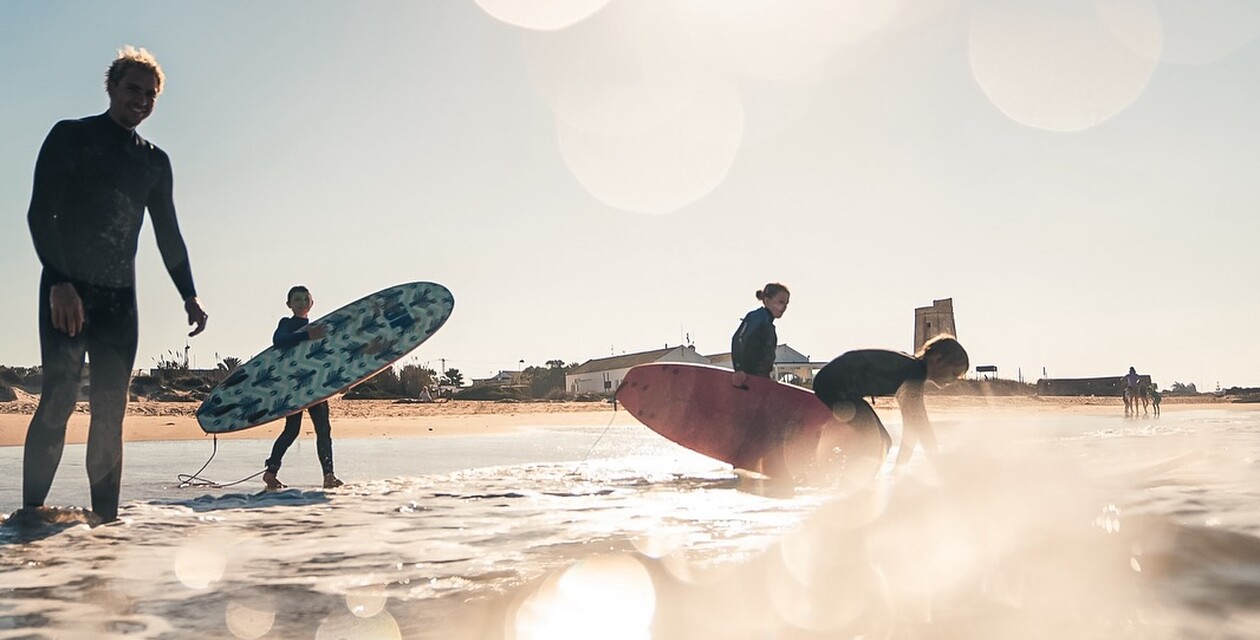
{"points": [[770, 427]]}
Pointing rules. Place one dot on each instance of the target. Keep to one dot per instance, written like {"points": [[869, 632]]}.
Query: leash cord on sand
{"points": [[195, 480], [593, 444]]}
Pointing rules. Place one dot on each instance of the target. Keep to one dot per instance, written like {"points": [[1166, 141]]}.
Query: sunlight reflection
{"points": [[667, 167], [768, 40], [642, 124], [1056, 65], [351, 627], [609, 596], [247, 623], [542, 15], [198, 565], [659, 545], [686, 572], [1109, 520], [807, 588], [622, 73], [1192, 31], [366, 603]]}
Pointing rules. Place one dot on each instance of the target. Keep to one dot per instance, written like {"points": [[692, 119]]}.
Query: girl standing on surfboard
{"points": [[754, 342], [843, 384]]}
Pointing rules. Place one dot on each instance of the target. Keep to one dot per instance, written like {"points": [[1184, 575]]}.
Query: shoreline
{"points": [[150, 421]]}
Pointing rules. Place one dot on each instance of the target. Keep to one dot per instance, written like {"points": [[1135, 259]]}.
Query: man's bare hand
{"points": [[196, 315], [67, 308], [316, 331]]}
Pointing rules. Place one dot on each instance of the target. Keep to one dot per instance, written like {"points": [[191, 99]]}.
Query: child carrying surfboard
{"points": [[843, 384], [290, 332]]}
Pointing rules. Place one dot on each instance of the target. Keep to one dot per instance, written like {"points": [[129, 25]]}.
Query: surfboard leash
{"points": [[593, 444], [195, 480]]}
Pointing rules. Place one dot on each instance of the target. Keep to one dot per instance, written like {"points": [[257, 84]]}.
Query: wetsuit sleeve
{"points": [[287, 336], [52, 170], [166, 228], [738, 347]]}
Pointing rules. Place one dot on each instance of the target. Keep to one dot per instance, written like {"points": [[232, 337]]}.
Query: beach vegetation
{"points": [[173, 360], [384, 385], [413, 378], [452, 378], [27, 379], [1179, 389], [228, 363], [547, 381]]}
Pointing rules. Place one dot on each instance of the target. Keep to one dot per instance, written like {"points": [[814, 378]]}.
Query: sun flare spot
{"points": [[601, 597], [1060, 66], [199, 565], [248, 623], [541, 15]]}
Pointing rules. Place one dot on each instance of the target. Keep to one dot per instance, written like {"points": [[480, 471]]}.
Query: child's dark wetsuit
{"points": [[856, 375], [754, 342], [93, 181], [866, 373], [288, 334]]}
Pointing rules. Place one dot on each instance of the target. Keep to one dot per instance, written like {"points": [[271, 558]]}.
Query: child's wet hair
{"points": [[771, 290], [946, 350], [296, 289]]}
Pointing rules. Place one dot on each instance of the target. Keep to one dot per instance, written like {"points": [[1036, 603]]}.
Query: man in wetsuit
{"points": [[93, 180]]}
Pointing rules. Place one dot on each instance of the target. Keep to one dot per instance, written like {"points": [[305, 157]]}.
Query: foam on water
{"points": [[1029, 527]]}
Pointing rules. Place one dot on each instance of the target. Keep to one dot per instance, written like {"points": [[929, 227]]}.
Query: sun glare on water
{"points": [[599, 597]]}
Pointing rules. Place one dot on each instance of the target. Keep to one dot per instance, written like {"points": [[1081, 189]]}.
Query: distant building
{"points": [[602, 375], [500, 379], [932, 321], [790, 365]]}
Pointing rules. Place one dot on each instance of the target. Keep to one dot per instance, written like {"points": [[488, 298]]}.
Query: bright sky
{"points": [[592, 177]]}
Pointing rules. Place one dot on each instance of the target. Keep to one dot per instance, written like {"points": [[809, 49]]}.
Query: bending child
{"points": [[290, 333], [844, 383]]}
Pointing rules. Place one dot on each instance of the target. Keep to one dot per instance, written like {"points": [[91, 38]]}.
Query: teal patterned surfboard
{"points": [[363, 338]]}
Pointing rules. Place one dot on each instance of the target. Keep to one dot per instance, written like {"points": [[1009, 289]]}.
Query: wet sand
{"points": [[148, 421]]}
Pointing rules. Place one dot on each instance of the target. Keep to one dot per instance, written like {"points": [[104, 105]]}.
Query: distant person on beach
{"points": [[94, 178], [290, 332], [754, 342], [845, 382], [1144, 391], [1155, 398], [1130, 382]]}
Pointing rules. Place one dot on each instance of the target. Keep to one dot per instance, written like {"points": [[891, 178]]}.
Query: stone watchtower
{"points": [[932, 321]]}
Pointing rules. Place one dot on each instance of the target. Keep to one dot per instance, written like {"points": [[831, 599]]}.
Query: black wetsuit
{"points": [[93, 181], [288, 334], [754, 342], [866, 373]]}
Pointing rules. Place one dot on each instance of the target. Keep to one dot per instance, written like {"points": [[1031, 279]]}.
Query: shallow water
{"points": [[1048, 526]]}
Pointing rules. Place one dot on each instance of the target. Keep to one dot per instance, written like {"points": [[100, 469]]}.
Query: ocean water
{"points": [[1026, 526]]}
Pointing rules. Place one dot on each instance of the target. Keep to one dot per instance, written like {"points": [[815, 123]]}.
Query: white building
{"points": [[790, 365], [602, 375]]}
